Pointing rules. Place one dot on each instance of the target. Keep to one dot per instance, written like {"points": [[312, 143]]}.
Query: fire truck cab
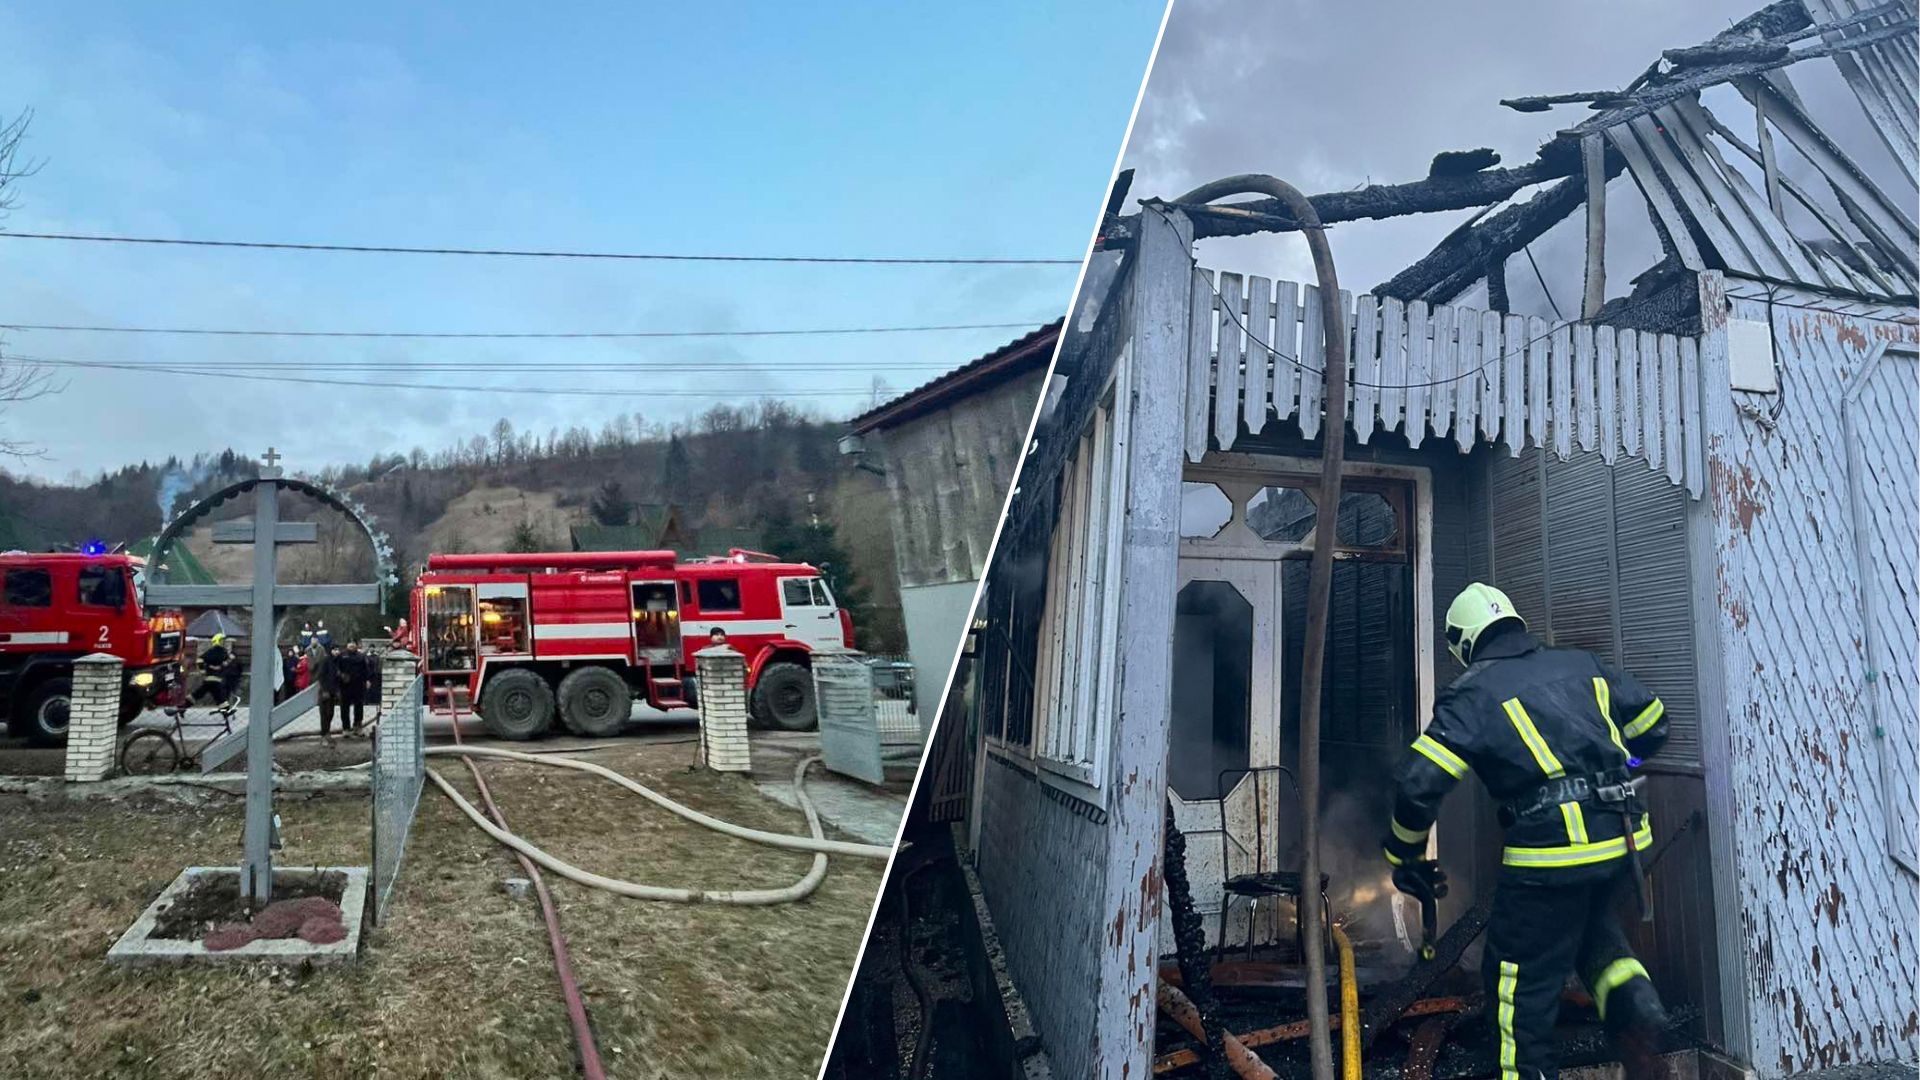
{"points": [[524, 639], [56, 608]]}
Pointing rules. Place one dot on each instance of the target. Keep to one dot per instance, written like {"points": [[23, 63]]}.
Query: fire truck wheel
{"points": [[517, 705], [784, 698], [595, 702], [43, 716], [132, 704]]}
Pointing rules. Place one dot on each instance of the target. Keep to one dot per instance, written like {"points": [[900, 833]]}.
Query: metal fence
{"points": [[895, 700], [399, 771]]}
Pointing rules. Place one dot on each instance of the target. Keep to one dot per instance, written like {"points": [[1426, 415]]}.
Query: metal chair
{"points": [[1259, 883]]}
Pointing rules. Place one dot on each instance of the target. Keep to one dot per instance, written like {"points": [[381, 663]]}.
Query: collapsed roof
{"points": [[1717, 199]]}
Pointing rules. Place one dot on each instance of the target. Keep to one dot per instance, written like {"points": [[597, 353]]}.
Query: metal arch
{"points": [[383, 570]]}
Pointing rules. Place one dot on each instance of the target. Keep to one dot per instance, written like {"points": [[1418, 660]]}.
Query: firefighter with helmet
{"points": [[1551, 733], [216, 667]]}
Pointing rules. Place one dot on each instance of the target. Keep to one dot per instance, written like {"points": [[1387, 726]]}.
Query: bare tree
{"points": [[18, 381]]}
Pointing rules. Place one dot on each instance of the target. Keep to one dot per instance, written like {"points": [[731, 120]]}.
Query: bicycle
{"points": [[158, 751]]}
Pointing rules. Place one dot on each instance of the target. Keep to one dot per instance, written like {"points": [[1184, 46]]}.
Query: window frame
{"points": [[700, 593], [107, 575], [1076, 666], [6, 587]]}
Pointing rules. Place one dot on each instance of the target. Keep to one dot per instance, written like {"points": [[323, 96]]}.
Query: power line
{"points": [[394, 249], [631, 367], [515, 335], [544, 391]]}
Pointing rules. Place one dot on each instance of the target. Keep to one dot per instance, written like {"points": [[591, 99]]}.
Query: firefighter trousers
{"points": [[1538, 935]]}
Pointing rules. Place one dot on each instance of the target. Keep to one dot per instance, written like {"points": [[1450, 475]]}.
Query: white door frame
{"points": [[1242, 474]]}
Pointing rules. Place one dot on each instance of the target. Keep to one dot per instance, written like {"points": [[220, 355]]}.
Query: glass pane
{"points": [[720, 594], [796, 592], [1204, 510], [1281, 514], [1213, 656], [1366, 519]]}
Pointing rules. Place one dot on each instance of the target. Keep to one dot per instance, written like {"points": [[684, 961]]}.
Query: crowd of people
{"points": [[344, 673]]}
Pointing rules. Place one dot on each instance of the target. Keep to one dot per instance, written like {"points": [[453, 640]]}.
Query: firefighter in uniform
{"points": [[1551, 733], [215, 665]]}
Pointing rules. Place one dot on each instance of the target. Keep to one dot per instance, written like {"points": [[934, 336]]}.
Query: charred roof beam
{"points": [[1439, 191]]}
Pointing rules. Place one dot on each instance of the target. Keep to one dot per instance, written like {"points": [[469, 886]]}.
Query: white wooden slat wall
{"points": [[1441, 372]]}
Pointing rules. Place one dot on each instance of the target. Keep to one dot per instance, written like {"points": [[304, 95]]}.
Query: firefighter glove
{"points": [[1422, 879]]}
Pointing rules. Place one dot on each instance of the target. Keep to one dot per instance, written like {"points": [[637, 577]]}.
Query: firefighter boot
{"points": [[1636, 1021]]}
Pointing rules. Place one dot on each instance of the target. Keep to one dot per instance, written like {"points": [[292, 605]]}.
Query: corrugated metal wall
{"points": [[1595, 556]]}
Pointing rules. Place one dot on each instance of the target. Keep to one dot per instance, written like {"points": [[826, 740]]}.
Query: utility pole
{"points": [[1333, 434]]}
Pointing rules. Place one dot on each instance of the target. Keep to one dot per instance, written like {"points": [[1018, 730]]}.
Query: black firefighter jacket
{"points": [[1523, 715]]}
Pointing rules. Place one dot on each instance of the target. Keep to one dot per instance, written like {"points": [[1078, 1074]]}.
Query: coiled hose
{"points": [[816, 842]]}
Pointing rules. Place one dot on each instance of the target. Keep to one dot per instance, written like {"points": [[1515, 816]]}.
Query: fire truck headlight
{"points": [[143, 678]]}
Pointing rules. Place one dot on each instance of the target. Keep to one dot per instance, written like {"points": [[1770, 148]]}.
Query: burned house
{"points": [[1708, 478]]}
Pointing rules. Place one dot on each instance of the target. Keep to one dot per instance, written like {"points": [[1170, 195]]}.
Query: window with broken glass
{"points": [[1074, 673]]}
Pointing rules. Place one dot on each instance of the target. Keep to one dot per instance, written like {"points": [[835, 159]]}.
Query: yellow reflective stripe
{"points": [[1449, 762], [1613, 977], [1503, 1018], [1406, 835], [1542, 753], [1391, 857], [1579, 854], [1576, 820], [1648, 717], [1604, 695]]}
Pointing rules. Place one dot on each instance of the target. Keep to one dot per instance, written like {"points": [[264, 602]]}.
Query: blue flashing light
{"points": [[94, 547], [1633, 762]]}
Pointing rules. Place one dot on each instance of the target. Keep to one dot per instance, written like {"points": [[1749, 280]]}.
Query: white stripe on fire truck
{"points": [[576, 631], [37, 637], [701, 624], [695, 625]]}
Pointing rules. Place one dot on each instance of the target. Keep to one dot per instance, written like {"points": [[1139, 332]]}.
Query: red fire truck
{"points": [[523, 638], [56, 608]]}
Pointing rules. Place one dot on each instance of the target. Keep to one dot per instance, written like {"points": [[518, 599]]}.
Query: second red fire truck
{"points": [[527, 639], [58, 607]]}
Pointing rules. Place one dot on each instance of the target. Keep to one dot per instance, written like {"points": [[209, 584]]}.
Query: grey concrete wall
{"points": [[947, 476], [936, 618]]}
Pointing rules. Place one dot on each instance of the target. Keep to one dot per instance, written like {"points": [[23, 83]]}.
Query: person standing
{"points": [[326, 672], [1553, 734], [353, 688]]}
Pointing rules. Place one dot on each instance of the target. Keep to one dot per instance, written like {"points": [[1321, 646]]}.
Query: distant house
{"points": [[949, 450], [657, 526]]}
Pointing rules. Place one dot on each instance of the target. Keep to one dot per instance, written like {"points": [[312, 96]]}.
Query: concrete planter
{"points": [[138, 946]]}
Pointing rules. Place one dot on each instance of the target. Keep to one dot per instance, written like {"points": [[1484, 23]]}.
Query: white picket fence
{"points": [[1445, 371]]}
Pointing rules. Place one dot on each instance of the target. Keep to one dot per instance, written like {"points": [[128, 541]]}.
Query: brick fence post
{"points": [[397, 669], [723, 709], [93, 718]]}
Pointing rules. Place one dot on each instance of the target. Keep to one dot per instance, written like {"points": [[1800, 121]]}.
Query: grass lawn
{"points": [[460, 982]]}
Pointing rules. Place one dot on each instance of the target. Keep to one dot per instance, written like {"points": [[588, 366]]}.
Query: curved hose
{"points": [[797, 891], [1319, 578], [817, 843]]}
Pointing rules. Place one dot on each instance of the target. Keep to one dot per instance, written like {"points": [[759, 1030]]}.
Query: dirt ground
{"points": [[459, 983]]}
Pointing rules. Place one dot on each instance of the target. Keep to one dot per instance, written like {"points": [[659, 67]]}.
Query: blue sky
{"points": [[938, 130]]}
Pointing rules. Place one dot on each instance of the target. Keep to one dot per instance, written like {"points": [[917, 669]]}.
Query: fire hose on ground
{"points": [[815, 843]]}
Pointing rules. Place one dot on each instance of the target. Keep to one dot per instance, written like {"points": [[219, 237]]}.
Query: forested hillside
{"points": [[767, 469]]}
